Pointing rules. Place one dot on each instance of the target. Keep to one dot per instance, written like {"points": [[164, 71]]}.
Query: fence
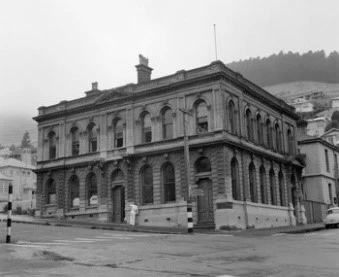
{"points": [[315, 211]]}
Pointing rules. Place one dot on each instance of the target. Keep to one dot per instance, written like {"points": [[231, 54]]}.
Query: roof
{"points": [[14, 163], [333, 130], [318, 140], [4, 177]]}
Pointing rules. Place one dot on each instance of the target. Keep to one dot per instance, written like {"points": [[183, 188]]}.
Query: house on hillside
{"points": [[99, 153], [320, 177], [335, 103], [331, 136], [302, 106], [316, 126]]}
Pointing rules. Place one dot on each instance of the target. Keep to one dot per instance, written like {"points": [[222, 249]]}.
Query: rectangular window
{"points": [[148, 135], [93, 145], [75, 148], [52, 152], [327, 161], [119, 140]]}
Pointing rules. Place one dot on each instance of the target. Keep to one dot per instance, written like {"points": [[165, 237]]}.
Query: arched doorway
{"points": [[118, 196], [205, 212]]}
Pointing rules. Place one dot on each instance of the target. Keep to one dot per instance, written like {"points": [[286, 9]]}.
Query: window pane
{"points": [[203, 165]]}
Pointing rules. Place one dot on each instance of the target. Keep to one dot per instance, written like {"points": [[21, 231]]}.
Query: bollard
{"points": [[9, 213], [189, 218]]}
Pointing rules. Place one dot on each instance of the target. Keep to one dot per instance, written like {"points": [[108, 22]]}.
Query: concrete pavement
{"points": [[164, 230]]}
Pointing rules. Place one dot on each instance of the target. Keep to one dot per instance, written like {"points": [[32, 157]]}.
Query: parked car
{"points": [[332, 218]]}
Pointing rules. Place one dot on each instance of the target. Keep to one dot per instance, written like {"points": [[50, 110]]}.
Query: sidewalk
{"points": [[165, 230]]}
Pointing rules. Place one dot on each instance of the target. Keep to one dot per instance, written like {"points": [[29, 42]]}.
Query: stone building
{"points": [[99, 153]]}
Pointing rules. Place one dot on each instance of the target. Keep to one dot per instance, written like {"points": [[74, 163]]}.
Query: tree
{"points": [[26, 141], [335, 116]]}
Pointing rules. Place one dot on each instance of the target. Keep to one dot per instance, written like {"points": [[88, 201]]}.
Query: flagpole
{"points": [[215, 43]]}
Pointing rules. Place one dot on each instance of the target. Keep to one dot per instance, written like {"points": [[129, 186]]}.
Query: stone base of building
{"points": [[248, 215]]}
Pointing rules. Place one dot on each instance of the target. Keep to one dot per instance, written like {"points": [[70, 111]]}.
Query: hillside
{"points": [[290, 90], [290, 67]]}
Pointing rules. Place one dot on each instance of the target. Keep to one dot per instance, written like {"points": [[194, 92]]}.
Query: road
{"points": [[64, 251]]}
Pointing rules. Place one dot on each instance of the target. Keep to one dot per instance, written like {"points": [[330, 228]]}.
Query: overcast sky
{"points": [[52, 50]]}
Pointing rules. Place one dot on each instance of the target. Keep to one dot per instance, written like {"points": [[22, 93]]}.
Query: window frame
{"points": [[168, 183], [201, 122], [91, 188], [166, 125], [147, 185], [236, 193]]}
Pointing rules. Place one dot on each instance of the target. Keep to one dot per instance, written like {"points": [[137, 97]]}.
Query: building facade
{"points": [[99, 153], [316, 126], [4, 184], [23, 181], [320, 176]]}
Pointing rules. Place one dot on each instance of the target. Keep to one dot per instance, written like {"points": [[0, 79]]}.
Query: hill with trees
{"points": [[290, 67]]}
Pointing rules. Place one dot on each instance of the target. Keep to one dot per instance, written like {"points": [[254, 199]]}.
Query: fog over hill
{"points": [[13, 127]]}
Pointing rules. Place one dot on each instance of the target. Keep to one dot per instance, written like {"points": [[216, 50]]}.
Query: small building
{"points": [[99, 153], [302, 106], [23, 180], [335, 103], [316, 126], [320, 177], [4, 183], [331, 136]]}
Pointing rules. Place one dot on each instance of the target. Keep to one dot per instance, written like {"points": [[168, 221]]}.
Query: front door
{"points": [[118, 198], [205, 203]]}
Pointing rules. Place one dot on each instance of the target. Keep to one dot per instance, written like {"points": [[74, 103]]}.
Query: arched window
{"points": [[277, 137], [232, 117], [74, 192], [51, 192], [272, 187], [146, 185], [269, 134], [92, 189], [75, 141], [168, 180], [281, 188], [52, 145], [146, 128], [259, 130], [202, 165], [252, 184], [118, 133], [167, 123], [249, 127], [263, 185], [235, 179], [290, 142], [201, 117], [117, 178], [92, 138]]}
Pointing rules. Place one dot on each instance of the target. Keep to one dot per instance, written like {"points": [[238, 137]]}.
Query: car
{"points": [[332, 218]]}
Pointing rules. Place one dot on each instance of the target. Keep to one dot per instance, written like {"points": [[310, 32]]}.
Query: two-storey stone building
{"points": [[113, 147]]}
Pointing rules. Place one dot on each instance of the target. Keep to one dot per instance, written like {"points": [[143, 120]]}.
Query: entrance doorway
{"points": [[205, 203], [118, 198]]}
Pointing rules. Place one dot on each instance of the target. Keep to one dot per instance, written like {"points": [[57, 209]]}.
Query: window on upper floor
{"points": [[290, 142], [146, 128], [232, 117], [277, 133], [327, 161], [249, 126], [201, 117], [260, 135], [92, 138], [167, 123], [269, 140], [118, 133], [52, 145], [75, 141]]}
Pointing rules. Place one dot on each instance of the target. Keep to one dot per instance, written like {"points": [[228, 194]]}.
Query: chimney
{"points": [[144, 71], [95, 86]]}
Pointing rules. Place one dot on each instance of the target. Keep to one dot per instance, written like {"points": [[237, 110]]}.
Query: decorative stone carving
{"points": [[166, 157]]}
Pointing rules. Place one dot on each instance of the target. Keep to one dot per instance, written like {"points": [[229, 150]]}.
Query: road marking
{"points": [[88, 239], [43, 243], [310, 234], [71, 241], [113, 237], [25, 245], [279, 234], [130, 235]]}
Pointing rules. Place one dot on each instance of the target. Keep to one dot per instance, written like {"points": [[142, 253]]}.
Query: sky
{"points": [[52, 50]]}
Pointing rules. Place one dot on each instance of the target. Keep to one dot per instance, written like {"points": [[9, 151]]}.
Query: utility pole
{"points": [[187, 163]]}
